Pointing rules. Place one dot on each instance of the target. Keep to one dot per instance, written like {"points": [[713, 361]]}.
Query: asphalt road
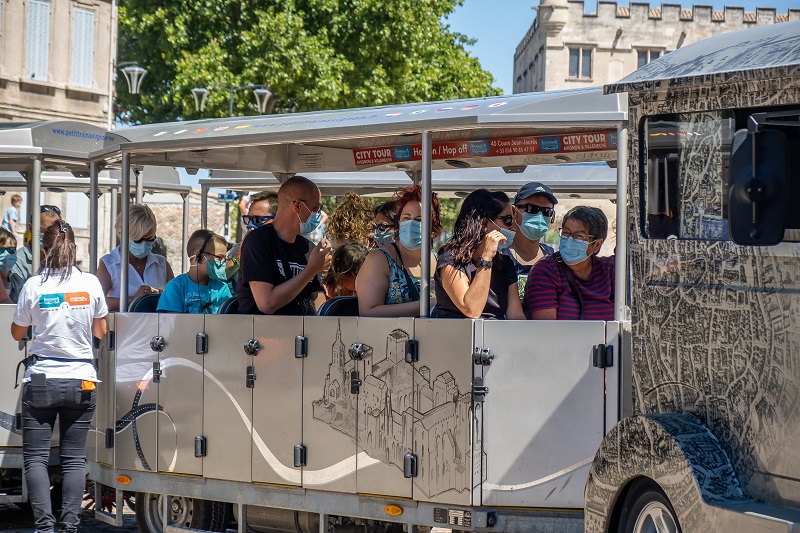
{"points": [[13, 519]]}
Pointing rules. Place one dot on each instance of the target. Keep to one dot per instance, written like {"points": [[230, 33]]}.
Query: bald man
{"points": [[279, 273]]}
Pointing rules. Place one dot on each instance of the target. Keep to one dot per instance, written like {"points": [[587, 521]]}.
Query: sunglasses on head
{"points": [[508, 220], [531, 209], [145, 239], [54, 208], [10, 249], [381, 227]]}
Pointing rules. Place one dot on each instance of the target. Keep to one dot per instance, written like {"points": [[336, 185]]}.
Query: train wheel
{"points": [[183, 512], [647, 510]]}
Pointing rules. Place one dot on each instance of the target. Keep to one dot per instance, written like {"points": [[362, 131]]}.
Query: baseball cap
{"points": [[533, 188]]}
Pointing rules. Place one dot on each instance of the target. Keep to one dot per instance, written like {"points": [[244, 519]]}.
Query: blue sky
{"points": [[499, 25]]}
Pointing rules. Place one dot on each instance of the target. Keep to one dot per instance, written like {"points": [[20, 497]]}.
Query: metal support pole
{"points": [[36, 221], [185, 234], [125, 200], [621, 253], [424, 282], [114, 208], [204, 206], [94, 171], [139, 186]]}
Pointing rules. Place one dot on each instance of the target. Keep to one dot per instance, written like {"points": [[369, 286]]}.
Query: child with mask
{"points": [[8, 258], [203, 289], [473, 277]]}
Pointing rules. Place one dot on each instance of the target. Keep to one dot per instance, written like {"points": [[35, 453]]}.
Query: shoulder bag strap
{"points": [[573, 285], [412, 287]]}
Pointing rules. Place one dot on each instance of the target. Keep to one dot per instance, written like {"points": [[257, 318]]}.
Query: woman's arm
{"points": [[99, 327], [372, 284], [514, 311], [106, 283], [470, 298], [18, 332]]}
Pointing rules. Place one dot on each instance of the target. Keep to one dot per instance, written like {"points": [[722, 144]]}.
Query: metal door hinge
{"points": [[111, 341], [300, 455], [109, 438], [410, 465], [200, 446], [482, 356], [250, 378], [300, 346], [355, 382], [201, 343], [603, 355], [412, 351], [479, 390], [156, 372], [157, 343], [251, 347]]}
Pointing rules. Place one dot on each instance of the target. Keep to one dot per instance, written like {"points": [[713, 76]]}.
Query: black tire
{"points": [[186, 512], [644, 504]]}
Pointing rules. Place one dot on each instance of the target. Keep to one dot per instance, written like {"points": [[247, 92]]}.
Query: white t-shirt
{"points": [[61, 314]]}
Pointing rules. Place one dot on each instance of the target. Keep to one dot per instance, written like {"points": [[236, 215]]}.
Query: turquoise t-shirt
{"points": [[182, 295]]}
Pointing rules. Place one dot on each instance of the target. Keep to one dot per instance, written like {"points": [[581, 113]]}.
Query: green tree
{"points": [[312, 54]]}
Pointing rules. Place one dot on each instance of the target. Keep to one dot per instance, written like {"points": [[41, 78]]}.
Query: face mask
{"points": [[216, 269], [508, 234], [411, 234], [311, 223], [7, 261], [534, 226], [382, 238], [141, 249], [572, 250]]}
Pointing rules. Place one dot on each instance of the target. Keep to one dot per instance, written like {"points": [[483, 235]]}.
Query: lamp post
{"points": [[262, 94]]}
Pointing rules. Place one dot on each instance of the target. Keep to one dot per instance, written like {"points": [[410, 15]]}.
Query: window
{"points": [[646, 56], [580, 62], [37, 42], [82, 48], [76, 210]]}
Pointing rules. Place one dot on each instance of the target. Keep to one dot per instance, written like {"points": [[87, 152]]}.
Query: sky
{"points": [[499, 26]]}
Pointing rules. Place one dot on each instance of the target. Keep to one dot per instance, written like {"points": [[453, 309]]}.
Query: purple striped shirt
{"points": [[548, 288]]}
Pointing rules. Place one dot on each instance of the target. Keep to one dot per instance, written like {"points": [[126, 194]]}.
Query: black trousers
{"points": [[64, 400]]}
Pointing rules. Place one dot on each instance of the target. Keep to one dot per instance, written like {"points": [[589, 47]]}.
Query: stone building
{"points": [[567, 48], [55, 59]]}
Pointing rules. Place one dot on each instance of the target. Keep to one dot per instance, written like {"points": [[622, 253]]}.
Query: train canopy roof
{"points": [[509, 131], [760, 52]]}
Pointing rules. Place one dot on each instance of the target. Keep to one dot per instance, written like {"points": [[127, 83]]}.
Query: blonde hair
{"points": [[7, 238], [142, 222]]}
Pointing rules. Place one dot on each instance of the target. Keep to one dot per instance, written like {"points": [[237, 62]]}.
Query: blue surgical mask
{"points": [[382, 238], [141, 249], [216, 269], [312, 222], [411, 234], [573, 251], [7, 261], [535, 226], [509, 235]]}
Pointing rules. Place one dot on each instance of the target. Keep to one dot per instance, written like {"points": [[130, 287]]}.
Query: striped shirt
{"points": [[548, 288]]}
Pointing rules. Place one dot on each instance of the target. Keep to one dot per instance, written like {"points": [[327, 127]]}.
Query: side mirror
{"points": [[757, 204]]}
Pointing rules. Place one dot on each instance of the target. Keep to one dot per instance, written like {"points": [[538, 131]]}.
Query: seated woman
{"points": [[8, 258], [388, 283], [573, 283], [383, 228], [350, 221], [346, 261], [474, 279], [147, 272]]}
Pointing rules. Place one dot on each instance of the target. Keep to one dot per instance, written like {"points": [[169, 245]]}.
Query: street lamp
{"points": [[262, 94], [133, 75]]}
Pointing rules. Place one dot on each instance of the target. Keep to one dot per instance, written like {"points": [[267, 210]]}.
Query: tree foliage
{"points": [[312, 54]]}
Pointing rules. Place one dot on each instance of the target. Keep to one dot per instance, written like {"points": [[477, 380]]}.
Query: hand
{"points": [[320, 257], [487, 249], [145, 289]]}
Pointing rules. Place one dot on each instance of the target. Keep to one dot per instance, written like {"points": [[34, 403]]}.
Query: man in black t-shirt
{"points": [[279, 267]]}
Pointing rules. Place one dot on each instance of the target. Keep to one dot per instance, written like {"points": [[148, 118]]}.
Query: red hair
{"points": [[414, 193]]}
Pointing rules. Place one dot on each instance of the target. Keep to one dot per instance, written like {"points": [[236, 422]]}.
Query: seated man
{"points": [[573, 283], [203, 288], [279, 267], [21, 270]]}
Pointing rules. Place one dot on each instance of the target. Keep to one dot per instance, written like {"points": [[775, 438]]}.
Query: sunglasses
{"points": [[53, 208], [256, 220], [381, 227], [314, 209], [508, 220], [531, 209], [143, 239], [10, 249]]}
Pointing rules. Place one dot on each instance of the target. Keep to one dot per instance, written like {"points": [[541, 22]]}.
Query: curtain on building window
{"points": [[82, 48], [37, 42]]}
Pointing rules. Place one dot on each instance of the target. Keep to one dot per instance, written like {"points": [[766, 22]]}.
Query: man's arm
{"points": [[269, 298]]}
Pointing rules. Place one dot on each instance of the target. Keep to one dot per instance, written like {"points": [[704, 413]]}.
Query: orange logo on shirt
{"points": [[77, 299]]}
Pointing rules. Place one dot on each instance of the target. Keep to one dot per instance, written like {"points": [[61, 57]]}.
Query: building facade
{"points": [[567, 48], [55, 59]]}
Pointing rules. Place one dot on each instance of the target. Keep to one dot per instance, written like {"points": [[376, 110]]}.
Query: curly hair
{"points": [[468, 230], [414, 193], [351, 220]]}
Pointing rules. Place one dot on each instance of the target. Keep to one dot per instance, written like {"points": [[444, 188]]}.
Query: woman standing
{"points": [[66, 308], [473, 280], [147, 272]]}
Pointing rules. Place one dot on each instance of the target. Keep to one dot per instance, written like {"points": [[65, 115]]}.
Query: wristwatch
{"points": [[483, 263]]}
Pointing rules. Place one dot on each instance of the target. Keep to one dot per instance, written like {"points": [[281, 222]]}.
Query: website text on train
{"points": [[683, 417]]}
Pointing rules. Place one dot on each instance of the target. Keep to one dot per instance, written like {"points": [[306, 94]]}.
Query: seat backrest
{"points": [[340, 306], [146, 303], [229, 306]]}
